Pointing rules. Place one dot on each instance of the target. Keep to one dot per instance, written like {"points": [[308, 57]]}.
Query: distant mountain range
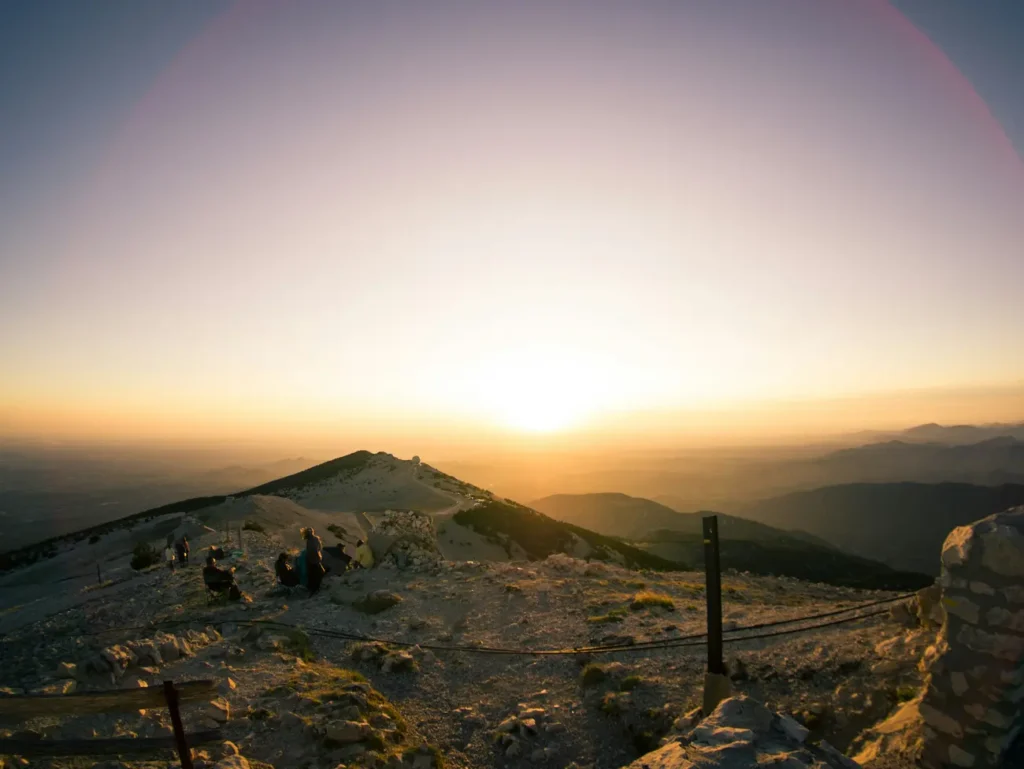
{"points": [[935, 433], [901, 524], [746, 545]]}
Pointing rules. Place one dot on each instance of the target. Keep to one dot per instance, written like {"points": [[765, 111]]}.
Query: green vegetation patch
{"points": [[144, 555]]}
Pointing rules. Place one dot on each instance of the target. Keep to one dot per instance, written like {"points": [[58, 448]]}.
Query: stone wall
{"points": [[975, 685]]}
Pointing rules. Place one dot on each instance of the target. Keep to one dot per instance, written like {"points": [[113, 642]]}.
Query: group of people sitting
{"points": [[309, 569]]}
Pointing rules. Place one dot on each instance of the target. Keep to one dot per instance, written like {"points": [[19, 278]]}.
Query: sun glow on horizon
{"points": [[537, 389]]}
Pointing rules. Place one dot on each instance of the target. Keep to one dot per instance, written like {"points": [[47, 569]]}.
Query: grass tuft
{"points": [[613, 615], [648, 599]]}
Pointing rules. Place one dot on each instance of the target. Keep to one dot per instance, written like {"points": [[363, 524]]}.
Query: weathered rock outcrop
{"points": [[972, 701], [743, 733], [405, 539]]}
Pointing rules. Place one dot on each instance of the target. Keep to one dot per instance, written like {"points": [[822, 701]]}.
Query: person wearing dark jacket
{"points": [[314, 560], [286, 575]]}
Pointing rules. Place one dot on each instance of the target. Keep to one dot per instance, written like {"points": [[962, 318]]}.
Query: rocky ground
{"points": [[295, 699]]}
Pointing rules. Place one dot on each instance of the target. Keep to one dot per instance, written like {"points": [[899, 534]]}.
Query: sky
{"points": [[468, 220]]}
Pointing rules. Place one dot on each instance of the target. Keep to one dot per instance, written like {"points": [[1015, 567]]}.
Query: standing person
{"points": [[181, 548], [169, 556], [314, 559]]}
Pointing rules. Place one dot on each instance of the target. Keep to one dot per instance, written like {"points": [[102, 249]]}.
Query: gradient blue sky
{"points": [[328, 216]]}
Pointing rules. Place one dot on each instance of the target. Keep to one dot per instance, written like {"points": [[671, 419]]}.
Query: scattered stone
{"points": [[218, 710], [795, 731], [232, 762]]}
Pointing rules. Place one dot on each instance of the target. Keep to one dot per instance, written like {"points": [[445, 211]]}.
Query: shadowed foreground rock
{"points": [[740, 734]]}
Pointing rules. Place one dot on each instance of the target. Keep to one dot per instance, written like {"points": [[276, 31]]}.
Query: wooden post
{"points": [[179, 732], [713, 584], [716, 682]]}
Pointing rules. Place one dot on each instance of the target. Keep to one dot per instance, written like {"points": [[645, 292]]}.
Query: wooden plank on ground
{"points": [[118, 746], [87, 703]]}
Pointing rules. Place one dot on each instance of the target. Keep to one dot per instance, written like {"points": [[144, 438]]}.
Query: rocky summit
{"points": [[428, 660]]}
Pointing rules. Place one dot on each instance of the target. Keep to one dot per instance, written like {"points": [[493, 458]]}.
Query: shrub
{"points": [[298, 644], [94, 539], [592, 675], [611, 704], [254, 526], [648, 599], [336, 530], [144, 555], [629, 683]]}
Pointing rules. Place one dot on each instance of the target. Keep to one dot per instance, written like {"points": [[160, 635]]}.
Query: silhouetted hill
{"points": [[992, 461], [787, 558], [539, 536], [901, 524], [620, 515], [746, 545]]}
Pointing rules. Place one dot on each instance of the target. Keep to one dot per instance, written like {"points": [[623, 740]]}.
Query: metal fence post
{"points": [[716, 683]]}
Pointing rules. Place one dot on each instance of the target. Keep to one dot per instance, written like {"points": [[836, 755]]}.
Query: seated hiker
{"points": [[286, 575], [220, 580], [364, 555]]}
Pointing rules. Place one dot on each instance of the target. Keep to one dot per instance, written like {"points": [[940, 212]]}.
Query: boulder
{"points": [[743, 733], [347, 732], [118, 659], [218, 710], [147, 653]]}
